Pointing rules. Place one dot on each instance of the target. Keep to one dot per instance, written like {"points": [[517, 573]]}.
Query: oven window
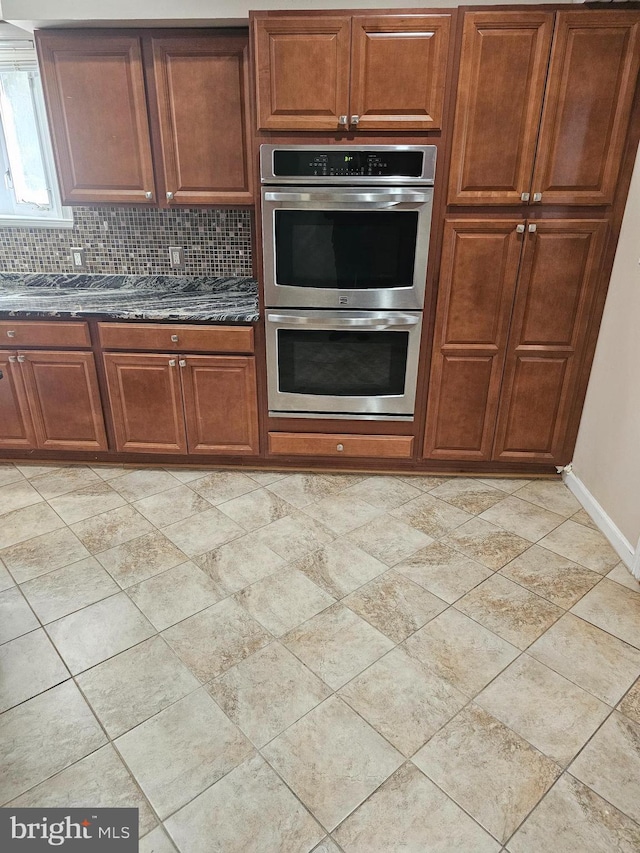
{"points": [[347, 249], [342, 364]]}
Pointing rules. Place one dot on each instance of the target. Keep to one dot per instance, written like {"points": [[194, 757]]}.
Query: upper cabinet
{"points": [[97, 87], [551, 126], [381, 72]]}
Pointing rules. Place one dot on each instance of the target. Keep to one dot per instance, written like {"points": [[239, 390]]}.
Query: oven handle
{"points": [[382, 198], [344, 321]]}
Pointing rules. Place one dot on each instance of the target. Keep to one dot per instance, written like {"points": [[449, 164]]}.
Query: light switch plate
{"points": [[176, 256]]}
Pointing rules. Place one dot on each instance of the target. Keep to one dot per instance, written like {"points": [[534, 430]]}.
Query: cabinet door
{"points": [[555, 291], [16, 428], [64, 399], [592, 79], [146, 403], [500, 91], [477, 282], [95, 96], [302, 72], [398, 71], [221, 405], [203, 107]]}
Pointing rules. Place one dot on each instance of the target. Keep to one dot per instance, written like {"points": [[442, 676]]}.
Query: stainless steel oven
{"points": [[346, 227], [355, 364]]}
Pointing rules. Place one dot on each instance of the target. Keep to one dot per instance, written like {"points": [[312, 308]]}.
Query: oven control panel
{"points": [[347, 163]]}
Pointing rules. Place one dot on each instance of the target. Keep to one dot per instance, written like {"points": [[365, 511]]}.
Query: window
{"points": [[28, 189]]}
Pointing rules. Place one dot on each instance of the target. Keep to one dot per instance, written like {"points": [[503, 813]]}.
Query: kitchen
{"points": [[425, 305]]}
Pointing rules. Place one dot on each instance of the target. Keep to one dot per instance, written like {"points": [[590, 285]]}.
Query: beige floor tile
{"points": [[403, 700], [583, 517], [265, 478], [340, 567], [9, 474], [283, 600], [139, 559], [582, 545], [332, 760], [610, 764], [144, 482], [326, 846], [42, 554], [550, 494], [174, 595], [621, 574], [489, 770], [111, 528], [256, 509], [431, 515], [572, 819], [505, 484], [21, 524], [389, 540], [459, 650], [98, 632], [6, 581], [614, 608], [182, 750], [65, 480], [108, 472], [239, 563], [31, 471], [472, 496], [250, 809], [386, 493], [522, 518], [337, 645], [553, 714], [302, 489], [16, 617], [342, 513], [17, 496], [424, 482], [488, 544], [509, 610], [43, 736], [394, 605], [98, 781], [187, 475], [202, 532], [171, 506], [62, 591], [156, 841], [221, 486], [294, 536], [630, 705], [443, 571], [215, 639], [410, 813], [91, 500], [134, 685], [28, 666], [267, 692], [591, 658], [553, 577]]}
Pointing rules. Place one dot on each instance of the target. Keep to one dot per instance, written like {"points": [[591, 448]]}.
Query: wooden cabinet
{"points": [[338, 446], [96, 92], [16, 426], [380, 72], [552, 135]]}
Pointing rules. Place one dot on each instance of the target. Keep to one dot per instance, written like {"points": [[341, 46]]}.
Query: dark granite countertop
{"points": [[129, 297]]}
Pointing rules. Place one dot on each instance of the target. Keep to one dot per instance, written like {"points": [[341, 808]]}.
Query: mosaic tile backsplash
{"points": [[135, 240]]}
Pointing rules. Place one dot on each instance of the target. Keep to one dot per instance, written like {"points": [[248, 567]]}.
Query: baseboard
{"points": [[619, 542]]}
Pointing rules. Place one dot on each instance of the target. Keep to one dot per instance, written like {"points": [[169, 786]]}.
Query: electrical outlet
{"points": [[79, 258], [176, 256]]}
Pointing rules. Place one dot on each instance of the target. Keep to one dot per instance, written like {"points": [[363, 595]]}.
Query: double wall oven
{"points": [[345, 245]]}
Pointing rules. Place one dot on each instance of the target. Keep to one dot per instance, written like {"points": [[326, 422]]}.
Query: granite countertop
{"points": [[129, 297]]}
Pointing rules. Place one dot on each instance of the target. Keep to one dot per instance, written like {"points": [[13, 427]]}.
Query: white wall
{"points": [[607, 455]]}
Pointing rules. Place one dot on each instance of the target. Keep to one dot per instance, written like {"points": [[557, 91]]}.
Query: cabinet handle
{"points": [[340, 447], [524, 197], [537, 196], [174, 339], [21, 358], [520, 228], [12, 359], [172, 362], [169, 196], [148, 195], [342, 121], [355, 120], [533, 227], [182, 362], [11, 333]]}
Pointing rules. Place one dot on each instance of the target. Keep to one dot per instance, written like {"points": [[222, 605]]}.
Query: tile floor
{"points": [[305, 662]]}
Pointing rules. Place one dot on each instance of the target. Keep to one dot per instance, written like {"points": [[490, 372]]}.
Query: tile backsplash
{"points": [[135, 241]]}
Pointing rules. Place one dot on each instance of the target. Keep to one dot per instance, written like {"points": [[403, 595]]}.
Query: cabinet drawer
{"points": [[20, 333], [336, 445], [143, 336]]}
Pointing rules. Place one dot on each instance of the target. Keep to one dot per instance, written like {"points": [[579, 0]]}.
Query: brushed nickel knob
{"points": [[148, 195], [172, 362], [520, 228], [524, 197], [342, 120], [174, 339], [169, 196], [12, 359], [537, 196], [11, 333], [182, 362], [21, 358], [533, 227], [340, 447], [355, 120]]}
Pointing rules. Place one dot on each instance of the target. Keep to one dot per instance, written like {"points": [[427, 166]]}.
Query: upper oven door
{"points": [[328, 247]]}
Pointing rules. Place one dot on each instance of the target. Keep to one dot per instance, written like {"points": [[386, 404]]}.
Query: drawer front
{"points": [[143, 336], [21, 333], [339, 446]]}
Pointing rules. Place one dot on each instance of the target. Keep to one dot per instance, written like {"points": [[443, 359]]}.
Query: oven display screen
{"points": [[345, 250], [342, 363], [345, 163]]}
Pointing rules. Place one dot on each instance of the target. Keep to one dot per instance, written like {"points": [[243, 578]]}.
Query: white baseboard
{"points": [[619, 542]]}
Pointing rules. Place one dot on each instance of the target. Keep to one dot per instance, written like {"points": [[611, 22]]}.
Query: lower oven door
{"points": [[343, 363]]}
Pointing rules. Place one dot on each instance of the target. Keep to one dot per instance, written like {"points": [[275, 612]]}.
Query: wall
{"points": [[135, 240], [607, 455]]}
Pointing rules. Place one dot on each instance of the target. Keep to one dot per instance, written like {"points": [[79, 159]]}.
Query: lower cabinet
{"points": [[183, 404], [16, 426]]}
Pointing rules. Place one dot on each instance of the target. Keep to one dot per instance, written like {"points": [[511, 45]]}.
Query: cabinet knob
{"points": [[520, 228], [172, 362], [148, 195], [11, 333], [12, 359], [355, 120], [182, 362], [533, 227], [169, 196], [21, 358], [524, 197], [174, 339], [340, 447], [537, 196], [342, 121]]}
